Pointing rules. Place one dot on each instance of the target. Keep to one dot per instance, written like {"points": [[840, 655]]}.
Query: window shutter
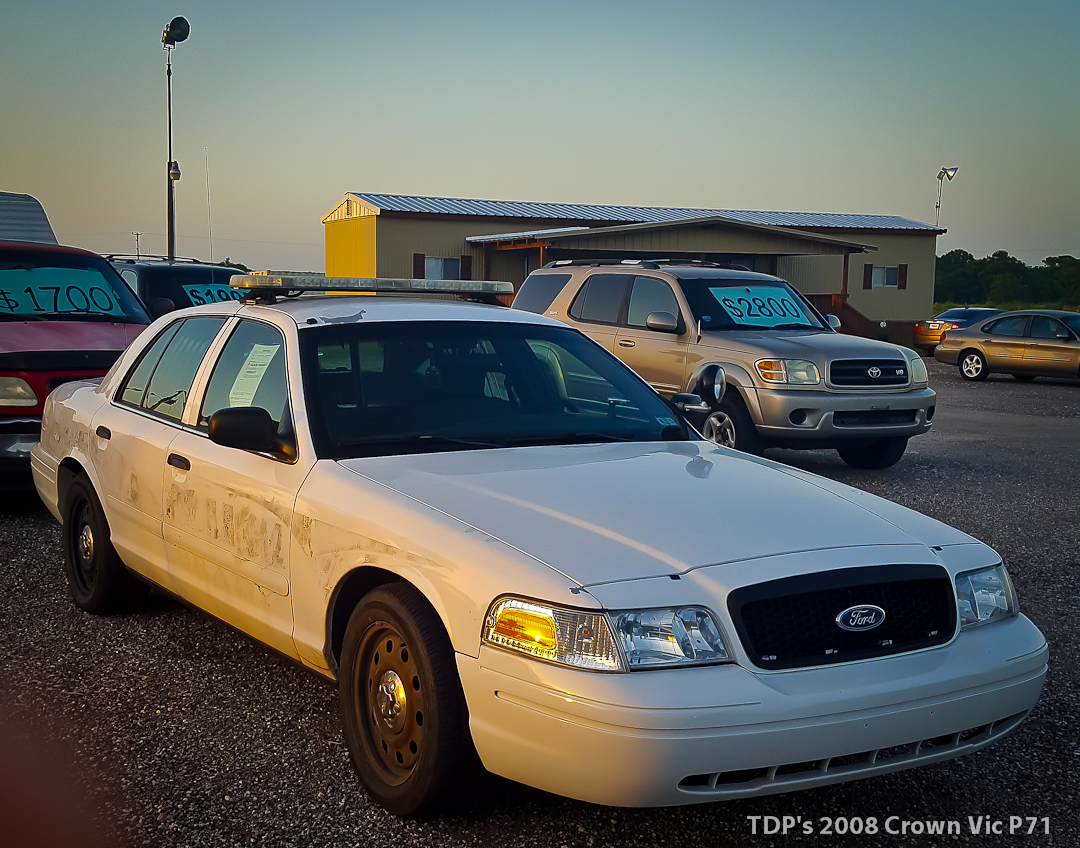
{"points": [[901, 277], [867, 276], [465, 266], [418, 266]]}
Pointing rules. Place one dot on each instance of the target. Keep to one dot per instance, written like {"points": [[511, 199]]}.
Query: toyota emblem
{"points": [[874, 372]]}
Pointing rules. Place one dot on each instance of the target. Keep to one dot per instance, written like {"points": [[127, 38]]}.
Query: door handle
{"points": [[104, 433], [626, 342], [177, 461]]}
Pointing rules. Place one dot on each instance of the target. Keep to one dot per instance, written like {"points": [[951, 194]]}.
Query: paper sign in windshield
{"points": [[213, 293], [251, 374], [760, 306], [43, 291]]}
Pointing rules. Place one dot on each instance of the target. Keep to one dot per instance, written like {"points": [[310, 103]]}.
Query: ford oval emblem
{"points": [[874, 372], [862, 617]]}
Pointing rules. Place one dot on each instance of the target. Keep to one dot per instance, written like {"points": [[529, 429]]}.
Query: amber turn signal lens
{"points": [[529, 630]]}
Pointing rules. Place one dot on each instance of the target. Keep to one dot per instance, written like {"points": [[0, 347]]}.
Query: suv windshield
{"points": [[392, 388], [55, 286], [190, 285], [730, 304]]}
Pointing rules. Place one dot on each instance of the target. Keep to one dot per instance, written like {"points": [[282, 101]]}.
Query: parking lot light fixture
{"points": [[942, 175], [176, 31]]}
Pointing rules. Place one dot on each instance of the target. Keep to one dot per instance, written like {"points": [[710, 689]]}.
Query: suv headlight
{"points": [[984, 595], [15, 391], [799, 372], [626, 640], [918, 372]]}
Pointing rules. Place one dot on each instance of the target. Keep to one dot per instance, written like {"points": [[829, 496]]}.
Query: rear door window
{"points": [[601, 299], [539, 291], [171, 375], [1014, 326]]}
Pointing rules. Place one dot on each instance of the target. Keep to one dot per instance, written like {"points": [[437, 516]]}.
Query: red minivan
{"points": [[65, 315]]}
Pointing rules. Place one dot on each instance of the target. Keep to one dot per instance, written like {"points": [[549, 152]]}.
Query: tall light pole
{"points": [[174, 33], [942, 174]]}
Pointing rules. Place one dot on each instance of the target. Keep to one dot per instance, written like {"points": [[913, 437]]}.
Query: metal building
{"points": [[872, 267], [22, 218]]}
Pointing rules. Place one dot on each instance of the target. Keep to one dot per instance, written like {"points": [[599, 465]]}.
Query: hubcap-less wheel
{"points": [[394, 731], [719, 428], [85, 564], [972, 366]]}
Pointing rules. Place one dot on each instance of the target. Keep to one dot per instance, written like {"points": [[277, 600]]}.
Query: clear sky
{"points": [[818, 106]]}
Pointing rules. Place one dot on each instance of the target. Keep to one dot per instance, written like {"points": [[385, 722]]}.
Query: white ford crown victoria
{"points": [[497, 539]]}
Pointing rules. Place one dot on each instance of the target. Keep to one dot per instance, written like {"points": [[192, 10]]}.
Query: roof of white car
{"points": [[338, 309]]}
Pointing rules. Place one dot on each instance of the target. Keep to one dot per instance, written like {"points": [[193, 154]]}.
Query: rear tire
{"points": [[973, 366], [402, 708], [731, 426], [98, 579], [874, 454]]}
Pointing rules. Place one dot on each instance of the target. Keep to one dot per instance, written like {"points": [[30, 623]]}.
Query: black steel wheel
{"points": [[98, 580], [874, 453], [402, 708]]}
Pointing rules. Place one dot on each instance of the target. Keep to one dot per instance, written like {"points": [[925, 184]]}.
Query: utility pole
{"points": [[137, 254]]}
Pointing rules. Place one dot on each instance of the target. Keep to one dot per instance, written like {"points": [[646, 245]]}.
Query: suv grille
{"points": [[869, 372], [791, 623]]}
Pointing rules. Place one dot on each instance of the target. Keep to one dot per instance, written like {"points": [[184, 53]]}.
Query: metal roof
{"points": [[630, 214], [22, 218]]}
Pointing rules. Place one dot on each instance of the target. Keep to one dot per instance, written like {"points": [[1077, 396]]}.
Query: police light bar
{"points": [[386, 285]]}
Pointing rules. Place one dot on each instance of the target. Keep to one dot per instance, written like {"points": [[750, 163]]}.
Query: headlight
{"points": [[985, 595], [792, 371], [918, 371], [669, 637], [580, 638], [627, 640], [15, 391]]}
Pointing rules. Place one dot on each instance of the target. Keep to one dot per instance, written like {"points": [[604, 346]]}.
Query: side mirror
{"points": [[244, 427], [834, 322], [713, 384], [1063, 335], [161, 306], [687, 402], [663, 322]]}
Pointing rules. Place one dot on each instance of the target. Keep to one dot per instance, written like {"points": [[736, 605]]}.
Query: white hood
{"points": [[601, 513]]}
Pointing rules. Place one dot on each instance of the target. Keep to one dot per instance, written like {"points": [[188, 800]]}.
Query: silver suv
{"points": [[793, 381]]}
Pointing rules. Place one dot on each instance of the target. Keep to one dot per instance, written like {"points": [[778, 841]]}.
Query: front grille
{"points": [[868, 372], [865, 763], [873, 417], [792, 623]]}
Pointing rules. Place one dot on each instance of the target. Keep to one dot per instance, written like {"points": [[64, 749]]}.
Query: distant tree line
{"points": [[1004, 281]]}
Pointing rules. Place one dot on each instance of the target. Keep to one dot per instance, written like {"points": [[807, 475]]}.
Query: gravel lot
{"points": [[174, 730]]}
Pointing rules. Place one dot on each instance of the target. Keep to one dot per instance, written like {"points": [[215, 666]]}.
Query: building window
{"points": [[885, 276], [442, 268]]}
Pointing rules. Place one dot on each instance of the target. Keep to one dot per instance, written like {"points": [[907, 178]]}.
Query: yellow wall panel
{"points": [[350, 247]]}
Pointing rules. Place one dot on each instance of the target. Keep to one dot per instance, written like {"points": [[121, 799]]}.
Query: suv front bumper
{"points": [[17, 436], [775, 411]]}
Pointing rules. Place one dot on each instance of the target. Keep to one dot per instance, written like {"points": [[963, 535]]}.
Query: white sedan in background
{"points": [[500, 542]]}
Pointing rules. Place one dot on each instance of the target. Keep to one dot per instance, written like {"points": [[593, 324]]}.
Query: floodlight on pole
{"points": [[944, 173], [176, 31]]}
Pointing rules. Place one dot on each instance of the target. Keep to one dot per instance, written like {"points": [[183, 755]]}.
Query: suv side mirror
{"points": [[663, 322], [687, 402], [247, 428], [161, 306], [834, 322]]}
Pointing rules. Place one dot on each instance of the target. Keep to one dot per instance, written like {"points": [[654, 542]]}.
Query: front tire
{"points": [[731, 426], [402, 708], [98, 579], [874, 454], [973, 366]]}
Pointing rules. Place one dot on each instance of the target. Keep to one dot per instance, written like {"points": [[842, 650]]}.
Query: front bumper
{"points": [[683, 736], [17, 436], [772, 410]]}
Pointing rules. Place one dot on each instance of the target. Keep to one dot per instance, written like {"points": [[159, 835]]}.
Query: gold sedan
{"points": [[928, 333], [1027, 344]]}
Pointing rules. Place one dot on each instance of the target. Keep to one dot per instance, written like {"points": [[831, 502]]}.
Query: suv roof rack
{"points": [[650, 264], [132, 257], [266, 289]]}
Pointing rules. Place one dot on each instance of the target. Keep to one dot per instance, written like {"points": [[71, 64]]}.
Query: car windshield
{"points": [[727, 304], [390, 388], [55, 286], [1072, 322]]}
